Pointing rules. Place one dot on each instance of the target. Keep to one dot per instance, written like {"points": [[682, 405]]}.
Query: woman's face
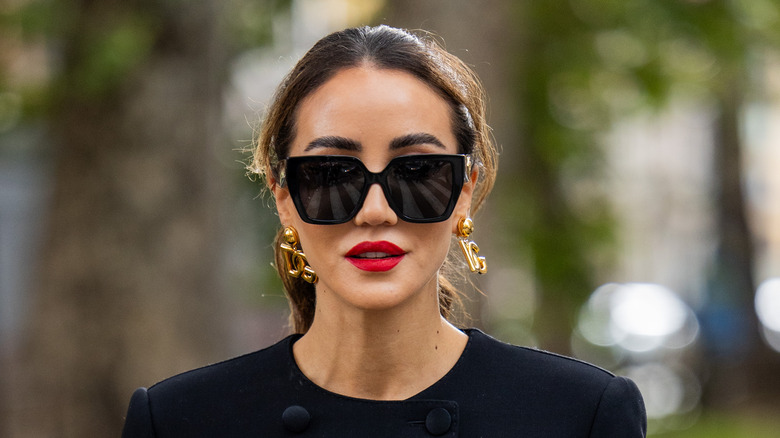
{"points": [[367, 111]]}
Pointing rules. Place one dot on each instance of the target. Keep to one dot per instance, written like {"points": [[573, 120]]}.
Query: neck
{"points": [[380, 355]]}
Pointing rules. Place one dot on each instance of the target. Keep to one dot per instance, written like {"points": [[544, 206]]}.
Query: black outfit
{"points": [[494, 390]]}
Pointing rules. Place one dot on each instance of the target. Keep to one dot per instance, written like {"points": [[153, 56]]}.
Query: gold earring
{"points": [[470, 249], [294, 259]]}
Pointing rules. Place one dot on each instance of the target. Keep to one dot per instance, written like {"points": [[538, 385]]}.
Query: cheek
{"points": [[318, 242], [438, 242]]}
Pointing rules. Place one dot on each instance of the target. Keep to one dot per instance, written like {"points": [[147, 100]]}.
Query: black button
{"points": [[438, 421], [296, 418]]}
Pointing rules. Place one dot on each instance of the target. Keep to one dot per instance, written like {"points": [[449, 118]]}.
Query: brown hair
{"points": [[386, 48]]}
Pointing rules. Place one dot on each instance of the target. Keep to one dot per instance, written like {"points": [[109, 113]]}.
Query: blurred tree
{"points": [[737, 35], [128, 280]]}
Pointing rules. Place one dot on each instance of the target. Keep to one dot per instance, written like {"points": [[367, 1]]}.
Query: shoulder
{"points": [[544, 392], [513, 362], [203, 401], [229, 373]]}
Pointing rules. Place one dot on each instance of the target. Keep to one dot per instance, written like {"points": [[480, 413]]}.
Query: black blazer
{"points": [[494, 390]]}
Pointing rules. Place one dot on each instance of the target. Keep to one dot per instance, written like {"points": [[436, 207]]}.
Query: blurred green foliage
{"points": [[109, 49], [252, 23], [111, 53], [580, 66]]}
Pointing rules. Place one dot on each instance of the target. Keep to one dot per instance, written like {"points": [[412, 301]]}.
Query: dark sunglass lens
{"points": [[329, 190], [421, 188]]}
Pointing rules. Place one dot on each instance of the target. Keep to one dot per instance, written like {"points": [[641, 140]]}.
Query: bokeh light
{"points": [[767, 304], [666, 390], [638, 317], [647, 310], [642, 330]]}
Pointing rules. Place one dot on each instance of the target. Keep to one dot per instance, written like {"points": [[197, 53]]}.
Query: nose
{"points": [[375, 209]]}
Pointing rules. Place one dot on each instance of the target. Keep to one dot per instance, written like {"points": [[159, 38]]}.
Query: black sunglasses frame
{"points": [[461, 166]]}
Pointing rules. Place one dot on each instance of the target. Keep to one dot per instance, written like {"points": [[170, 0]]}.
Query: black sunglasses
{"points": [[330, 189]]}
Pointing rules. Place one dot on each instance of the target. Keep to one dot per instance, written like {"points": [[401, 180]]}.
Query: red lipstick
{"points": [[375, 256]]}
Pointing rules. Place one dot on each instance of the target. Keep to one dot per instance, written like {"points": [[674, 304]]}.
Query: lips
{"points": [[375, 256]]}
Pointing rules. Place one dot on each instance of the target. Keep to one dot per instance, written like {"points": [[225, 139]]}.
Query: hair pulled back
{"points": [[381, 47]]}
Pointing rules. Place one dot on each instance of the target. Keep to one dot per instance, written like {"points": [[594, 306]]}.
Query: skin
{"points": [[375, 335]]}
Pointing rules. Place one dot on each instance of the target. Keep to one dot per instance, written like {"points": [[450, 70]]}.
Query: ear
{"points": [[284, 204], [463, 207]]}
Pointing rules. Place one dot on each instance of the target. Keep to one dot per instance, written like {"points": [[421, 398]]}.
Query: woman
{"points": [[376, 151]]}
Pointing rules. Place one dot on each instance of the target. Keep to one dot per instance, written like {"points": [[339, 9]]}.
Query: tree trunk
{"points": [[127, 286], [740, 366]]}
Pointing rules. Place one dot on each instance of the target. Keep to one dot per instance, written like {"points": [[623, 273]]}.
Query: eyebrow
{"points": [[334, 142], [415, 139]]}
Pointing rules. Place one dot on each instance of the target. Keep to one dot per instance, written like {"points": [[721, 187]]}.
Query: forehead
{"points": [[373, 106]]}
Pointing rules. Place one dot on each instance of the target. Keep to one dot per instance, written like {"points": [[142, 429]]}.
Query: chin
{"points": [[373, 292], [385, 296]]}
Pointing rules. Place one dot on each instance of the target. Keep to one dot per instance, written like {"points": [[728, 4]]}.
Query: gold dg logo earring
{"points": [[294, 259], [470, 249]]}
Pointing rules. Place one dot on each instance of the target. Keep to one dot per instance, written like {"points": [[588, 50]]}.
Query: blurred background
{"points": [[635, 222]]}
